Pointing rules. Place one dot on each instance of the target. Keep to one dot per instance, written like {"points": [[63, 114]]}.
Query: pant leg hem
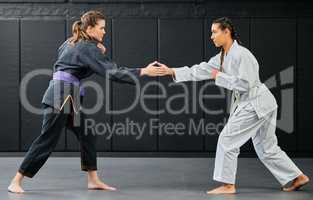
{"points": [[219, 179], [27, 174], [291, 179], [88, 168]]}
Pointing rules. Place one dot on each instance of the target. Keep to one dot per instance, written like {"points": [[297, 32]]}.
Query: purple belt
{"points": [[69, 78]]}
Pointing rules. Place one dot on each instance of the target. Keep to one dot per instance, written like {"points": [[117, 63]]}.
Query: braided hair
{"points": [[226, 23]]}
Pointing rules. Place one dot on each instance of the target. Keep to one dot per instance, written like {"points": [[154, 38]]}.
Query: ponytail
{"points": [[79, 27], [222, 59], [76, 31]]}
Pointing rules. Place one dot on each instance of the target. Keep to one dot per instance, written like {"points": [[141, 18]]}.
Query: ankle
{"points": [[302, 177], [229, 185], [92, 176], [18, 178], [14, 181]]}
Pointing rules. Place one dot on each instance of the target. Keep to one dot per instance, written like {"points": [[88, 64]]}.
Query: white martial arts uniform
{"points": [[252, 115]]}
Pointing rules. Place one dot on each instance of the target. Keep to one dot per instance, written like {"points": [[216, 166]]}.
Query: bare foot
{"points": [[99, 185], [15, 187], [297, 183], [224, 189]]}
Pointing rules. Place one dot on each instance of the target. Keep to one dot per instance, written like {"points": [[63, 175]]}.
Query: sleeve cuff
{"points": [[221, 80], [181, 74]]}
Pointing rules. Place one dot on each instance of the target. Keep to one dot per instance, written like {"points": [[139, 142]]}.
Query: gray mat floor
{"points": [[148, 178]]}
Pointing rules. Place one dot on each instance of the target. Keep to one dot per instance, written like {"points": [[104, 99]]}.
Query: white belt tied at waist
{"points": [[251, 93]]}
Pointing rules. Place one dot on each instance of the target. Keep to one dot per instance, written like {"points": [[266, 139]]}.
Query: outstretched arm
{"points": [[104, 66], [198, 72], [202, 71], [209, 70]]}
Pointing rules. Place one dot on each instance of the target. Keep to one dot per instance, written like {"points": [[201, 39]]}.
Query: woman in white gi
{"points": [[253, 110]]}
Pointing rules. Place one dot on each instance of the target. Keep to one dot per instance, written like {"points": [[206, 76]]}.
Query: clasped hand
{"points": [[153, 69], [157, 69]]}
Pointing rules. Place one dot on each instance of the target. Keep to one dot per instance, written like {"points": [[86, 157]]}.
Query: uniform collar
{"points": [[233, 46]]}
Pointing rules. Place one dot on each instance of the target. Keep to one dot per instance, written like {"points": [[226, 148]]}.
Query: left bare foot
{"points": [[224, 189], [297, 183], [99, 185]]}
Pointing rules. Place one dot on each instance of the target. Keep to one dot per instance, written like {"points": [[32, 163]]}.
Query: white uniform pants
{"points": [[242, 125]]}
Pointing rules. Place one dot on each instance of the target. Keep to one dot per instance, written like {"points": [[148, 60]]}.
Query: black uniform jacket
{"points": [[82, 60]]}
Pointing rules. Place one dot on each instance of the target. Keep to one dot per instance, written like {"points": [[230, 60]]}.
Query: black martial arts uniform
{"points": [[61, 103]]}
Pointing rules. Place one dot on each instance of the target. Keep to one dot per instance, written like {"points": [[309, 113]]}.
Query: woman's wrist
{"points": [[142, 72], [215, 73], [171, 72]]}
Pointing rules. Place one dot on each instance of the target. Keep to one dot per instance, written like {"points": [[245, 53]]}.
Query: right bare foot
{"points": [[297, 183], [94, 183], [224, 189], [15, 187], [99, 185]]}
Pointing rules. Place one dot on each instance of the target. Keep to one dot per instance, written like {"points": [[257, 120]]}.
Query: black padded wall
{"points": [[180, 45], [134, 45], [9, 83], [40, 40], [303, 95]]}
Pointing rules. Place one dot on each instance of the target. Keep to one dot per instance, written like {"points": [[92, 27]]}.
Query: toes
{"points": [[215, 191], [221, 191], [287, 189], [107, 187], [102, 187], [16, 191], [111, 188]]}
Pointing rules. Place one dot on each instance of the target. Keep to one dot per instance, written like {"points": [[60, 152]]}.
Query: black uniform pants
{"points": [[54, 122]]}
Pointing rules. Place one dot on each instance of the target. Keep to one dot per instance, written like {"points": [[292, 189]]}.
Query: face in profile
{"points": [[98, 31], [219, 36]]}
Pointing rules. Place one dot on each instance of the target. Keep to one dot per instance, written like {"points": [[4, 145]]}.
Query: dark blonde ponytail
{"points": [[76, 31], [79, 27]]}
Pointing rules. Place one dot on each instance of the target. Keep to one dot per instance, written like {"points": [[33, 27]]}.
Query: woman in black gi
{"points": [[79, 57]]}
